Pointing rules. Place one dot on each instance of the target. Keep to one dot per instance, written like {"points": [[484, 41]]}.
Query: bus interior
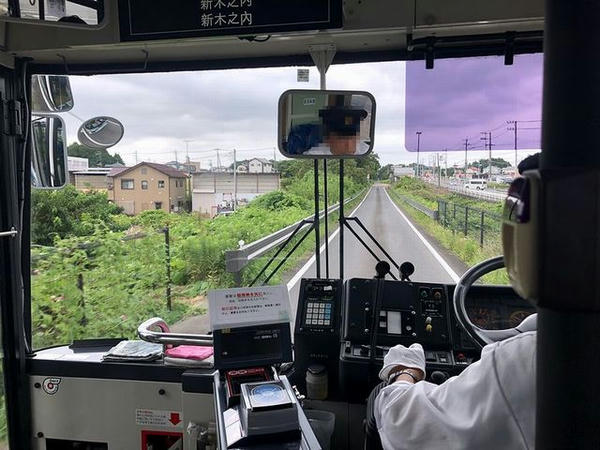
{"points": [[290, 361]]}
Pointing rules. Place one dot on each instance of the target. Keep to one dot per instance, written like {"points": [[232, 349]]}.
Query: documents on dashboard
{"points": [[243, 307]]}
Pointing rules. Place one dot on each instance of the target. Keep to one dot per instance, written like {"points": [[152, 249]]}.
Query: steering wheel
{"points": [[479, 335]]}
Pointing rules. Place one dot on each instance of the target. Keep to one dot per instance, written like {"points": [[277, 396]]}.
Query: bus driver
{"points": [[490, 405]]}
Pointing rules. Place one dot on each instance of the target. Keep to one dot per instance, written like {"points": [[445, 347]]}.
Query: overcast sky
{"points": [[238, 108]]}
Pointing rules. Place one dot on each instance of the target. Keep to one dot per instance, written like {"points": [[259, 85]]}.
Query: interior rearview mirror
{"points": [[48, 152], [326, 124], [100, 132], [51, 94]]}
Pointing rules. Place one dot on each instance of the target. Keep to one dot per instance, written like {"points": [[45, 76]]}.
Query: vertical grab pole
{"points": [[342, 220], [326, 196], [322, 55], [317, 229]]}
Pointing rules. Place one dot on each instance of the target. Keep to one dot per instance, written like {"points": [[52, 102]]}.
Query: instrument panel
{"points": [[348, 328], [497, 307]]}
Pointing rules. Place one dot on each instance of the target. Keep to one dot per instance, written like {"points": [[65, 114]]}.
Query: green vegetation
{"points": [[65, 212], [97, 157], [99, 273], [467, 249]]}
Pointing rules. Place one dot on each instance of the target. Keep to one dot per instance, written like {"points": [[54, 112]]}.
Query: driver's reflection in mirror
{"points": [[338, 132], [490, 405]]}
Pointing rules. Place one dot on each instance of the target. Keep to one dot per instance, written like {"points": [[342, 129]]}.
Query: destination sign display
{"points": [[176, 19]]}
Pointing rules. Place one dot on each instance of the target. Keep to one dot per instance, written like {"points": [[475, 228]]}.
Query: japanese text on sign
{"points": [[232, 308], [223, 13]]}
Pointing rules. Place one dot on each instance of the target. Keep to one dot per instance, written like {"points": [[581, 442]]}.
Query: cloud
{"points": [[230, 109]]}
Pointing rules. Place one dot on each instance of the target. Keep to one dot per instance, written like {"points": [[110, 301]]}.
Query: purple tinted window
{"points": [[466, 101]]}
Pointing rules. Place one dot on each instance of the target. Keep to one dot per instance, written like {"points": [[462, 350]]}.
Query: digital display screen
{"points": [[141, 19]]}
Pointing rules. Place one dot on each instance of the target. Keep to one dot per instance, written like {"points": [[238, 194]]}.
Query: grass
{"points": [[467, 249]]}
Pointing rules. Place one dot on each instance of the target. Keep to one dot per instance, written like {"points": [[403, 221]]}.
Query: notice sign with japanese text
{"points": [[175, 19], [244, 307]]}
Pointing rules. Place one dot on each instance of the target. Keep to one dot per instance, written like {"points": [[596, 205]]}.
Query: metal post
{"points": [[326, 195], [341, 220], [83, 322], [234, 179], [466, 220], [481, 228], [445, 214], [168, 265], [568, 303], [317, 229]]}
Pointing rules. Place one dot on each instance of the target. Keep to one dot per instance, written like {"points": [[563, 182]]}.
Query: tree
{"points": [[96, 157], [496, 162], [68, 212], [385, 172]]}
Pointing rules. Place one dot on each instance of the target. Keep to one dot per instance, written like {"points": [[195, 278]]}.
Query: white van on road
{"points": [[476, 183]]}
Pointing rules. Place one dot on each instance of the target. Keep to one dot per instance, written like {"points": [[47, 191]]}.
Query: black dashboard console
{"points": [[348, 328], [380, 314], [317, 330]]}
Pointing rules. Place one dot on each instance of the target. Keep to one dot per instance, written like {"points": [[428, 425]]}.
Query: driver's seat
{"points": [[372, 439]]}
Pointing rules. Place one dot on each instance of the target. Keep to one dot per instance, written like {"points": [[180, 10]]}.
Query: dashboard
{"points": [[496, 309], [347, 328]]}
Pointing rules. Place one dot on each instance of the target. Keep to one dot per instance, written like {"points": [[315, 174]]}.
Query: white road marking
{"points": [[432, 250], [292, 283]]}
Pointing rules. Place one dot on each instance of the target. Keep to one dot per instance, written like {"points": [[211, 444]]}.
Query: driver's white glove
{"points": [[412, 357]]}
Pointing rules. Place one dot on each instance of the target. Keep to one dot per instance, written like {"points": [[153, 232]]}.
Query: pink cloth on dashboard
{"points": [[190, 352]]}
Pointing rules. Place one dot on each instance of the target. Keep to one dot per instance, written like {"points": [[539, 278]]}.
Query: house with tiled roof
{"points": [[147, 186]]}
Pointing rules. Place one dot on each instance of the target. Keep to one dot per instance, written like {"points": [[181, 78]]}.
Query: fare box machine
{"points": [[255, 407]]}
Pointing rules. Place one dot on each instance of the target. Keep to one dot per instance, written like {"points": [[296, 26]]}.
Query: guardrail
{"points": [[428, 212], [236, 260], [488, 195]]}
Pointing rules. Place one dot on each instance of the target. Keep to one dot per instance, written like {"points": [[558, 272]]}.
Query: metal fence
{"points": [[472, 222]]}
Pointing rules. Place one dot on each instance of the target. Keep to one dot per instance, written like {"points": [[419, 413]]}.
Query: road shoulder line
{"points": [[425, 242]]}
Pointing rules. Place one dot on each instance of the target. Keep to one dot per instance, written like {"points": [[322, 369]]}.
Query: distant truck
{"points": [[476, 183]]}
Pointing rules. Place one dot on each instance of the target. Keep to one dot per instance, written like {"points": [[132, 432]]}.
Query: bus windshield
{"points": [[147, 227]]}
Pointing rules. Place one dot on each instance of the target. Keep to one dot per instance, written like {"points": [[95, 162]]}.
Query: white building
{"points": [[210, 189], [400, 171], [76, 164], [260, 165]]}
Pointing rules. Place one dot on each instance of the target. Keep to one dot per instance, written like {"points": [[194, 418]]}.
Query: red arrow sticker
{"points": [[174, 418], [156, 418]]}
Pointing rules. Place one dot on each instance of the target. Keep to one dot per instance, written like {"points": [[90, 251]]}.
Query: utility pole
{"points": [[176, 160], [218, 161], [487, 138], [446, 162], [234, 179], [514, 128], [418, 150], [439, 169], [136, 157], [187, 149], [466, 161]]}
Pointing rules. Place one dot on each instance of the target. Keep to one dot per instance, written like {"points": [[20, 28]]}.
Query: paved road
{"points": [[394, 232], [396, 235]]}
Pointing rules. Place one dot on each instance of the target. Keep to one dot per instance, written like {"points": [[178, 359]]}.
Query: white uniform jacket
{"points": [[491, 405]]}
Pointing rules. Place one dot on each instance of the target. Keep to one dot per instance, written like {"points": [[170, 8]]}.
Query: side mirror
{"points": [[100, 132], [326, 124], [51, 94], [48, 152]]}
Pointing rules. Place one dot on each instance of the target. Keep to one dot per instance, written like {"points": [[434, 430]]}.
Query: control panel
{"points": [[317, 330], [318, 306], [399, 312]]}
